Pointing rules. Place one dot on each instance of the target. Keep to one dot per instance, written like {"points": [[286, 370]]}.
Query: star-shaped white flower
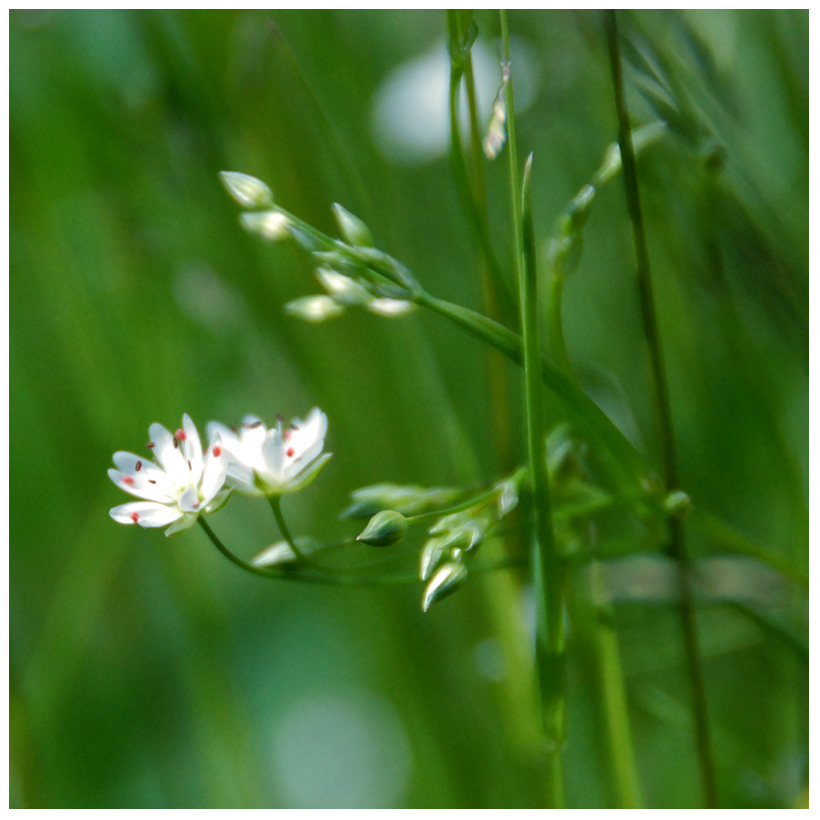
{"points": [[185, 483], [273, 461]]}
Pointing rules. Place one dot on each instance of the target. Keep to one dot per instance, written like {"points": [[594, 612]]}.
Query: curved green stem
{"points": [[676, 548], [328, 578]]}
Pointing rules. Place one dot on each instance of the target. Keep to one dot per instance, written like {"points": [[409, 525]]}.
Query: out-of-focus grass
{"points": [[151, 673]]}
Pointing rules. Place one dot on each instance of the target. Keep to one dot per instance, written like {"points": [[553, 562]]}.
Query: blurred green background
{"points": [[152, 673]]}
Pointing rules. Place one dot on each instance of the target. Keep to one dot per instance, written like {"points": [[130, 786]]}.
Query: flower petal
{"points": [[273, 456], [215, 472], [168, 455], [145, 513], [139, 466], [306, 477], [138, 485], [192, 448], [189, 501]]}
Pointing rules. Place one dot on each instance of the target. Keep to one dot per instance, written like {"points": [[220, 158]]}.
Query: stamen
{"points": [[175, 444], [255, 425], [150, 445], [139, 466], [294, 426], [195, 506], [290, 452], [190, 466], [151, 481], [280, 417], [126, 479], [180, 435], [217, 451], [286, 435], [135, 516], [234, 428]]}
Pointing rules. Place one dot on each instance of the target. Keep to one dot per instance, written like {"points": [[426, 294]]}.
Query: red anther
{"points": [[217, 451], [290, 452], [150, 445], [180, 435], [286, 435], [139, 466], [195, 506], [126, 479], [135, 517]]}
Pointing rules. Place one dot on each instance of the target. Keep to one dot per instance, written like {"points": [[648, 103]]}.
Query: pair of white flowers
{"points": [[186, 481]]}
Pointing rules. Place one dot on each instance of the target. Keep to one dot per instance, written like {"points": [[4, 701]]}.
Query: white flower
{"points": [[273, 461], [185, 483]]}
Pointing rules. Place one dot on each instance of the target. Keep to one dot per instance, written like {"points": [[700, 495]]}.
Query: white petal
{"points": [[192, 448], [182, 523], [168, 455], [214, 474], [189, 501], [138, 485], [273, 455], [139, 466], [252, 434], [242, 477], [305, 477], [148, 513]]}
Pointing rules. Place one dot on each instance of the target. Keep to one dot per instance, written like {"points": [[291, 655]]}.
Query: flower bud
{"points": [[344, 289], [353, 230], [314, 308], [248, 191], [390, 308], [384, 529], [432, 554], [678, 504], [270, 225], [446, 580]]}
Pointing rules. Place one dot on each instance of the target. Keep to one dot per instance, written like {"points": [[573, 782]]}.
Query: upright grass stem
{"points": [[676, 547], [551, 567]]}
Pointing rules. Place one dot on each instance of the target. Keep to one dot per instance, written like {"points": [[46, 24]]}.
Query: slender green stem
{"points": [[551, 568], [328, 578], [676, 547], [613, 690]]}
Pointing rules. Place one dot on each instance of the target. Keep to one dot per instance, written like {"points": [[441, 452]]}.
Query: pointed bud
{"points": [[432, 554], [446, 581], [497, 129], [353, 230], [344, 289], [678, 504], [270, 225], [248, 191], [390, 308], [314, 308], [384, 529]]}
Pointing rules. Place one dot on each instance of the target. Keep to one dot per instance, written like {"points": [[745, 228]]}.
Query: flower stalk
{"points": [[551, 569], [676, 546]]}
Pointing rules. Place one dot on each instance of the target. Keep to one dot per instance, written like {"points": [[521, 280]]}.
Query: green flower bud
{"points": [[248, 191], [678, 504], [270, 225], [353, 230], [446, 581], [384, 529], [432, 554], [314, 308], [344, 289]]}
